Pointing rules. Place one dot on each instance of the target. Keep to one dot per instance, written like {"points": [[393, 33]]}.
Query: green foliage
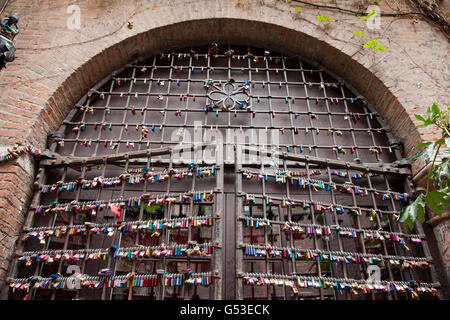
{"points": [[322, 18], [359, 33], [441, 174], [379, 47], [368, 16], [374, 44], [438, 174], [154, 209], [370, 44], [438, 199], [433, 113], [415, 210], [297, 9]]}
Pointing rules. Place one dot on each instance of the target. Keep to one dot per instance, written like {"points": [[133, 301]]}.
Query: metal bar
{"points": [[42, 177], [88, 241], [125, 110], [352, 130], [358, 222], [66, 240], [377, 217], [315, 240], [336, 222], [67, 161], [233, 264], [141, 214], [385, 168], [146, 108], [108, 101], [118, 243], [166, 108], [309, 117], [284, 265], [170, 108], [333, 227]]}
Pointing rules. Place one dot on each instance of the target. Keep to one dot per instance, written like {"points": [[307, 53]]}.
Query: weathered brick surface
{"points": [[441, 230], [56, 66]]}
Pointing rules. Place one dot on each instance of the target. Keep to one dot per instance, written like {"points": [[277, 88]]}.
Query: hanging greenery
{"points": [[439, 174]]}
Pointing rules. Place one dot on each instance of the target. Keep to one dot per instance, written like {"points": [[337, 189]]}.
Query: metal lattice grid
{"points": [[335, 171]]}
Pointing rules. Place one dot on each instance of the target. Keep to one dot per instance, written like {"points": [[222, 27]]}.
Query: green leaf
{"points": [[441, 174], [435, 109], [359, 33], [152, 209], [437, 199], [420, 207], [426, 122], [445, 167], [419, 117], [429, 113], [370, 43], [372, 14], [415, 210], [423, 144], [442, 196], [297, 9], [429, 153], [436, 176], [432, 114], [321, 18], [439, 142], [431, 200], [379, 47]]}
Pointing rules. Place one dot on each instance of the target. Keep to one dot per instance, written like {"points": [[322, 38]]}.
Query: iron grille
{"points": [[298, 199]]}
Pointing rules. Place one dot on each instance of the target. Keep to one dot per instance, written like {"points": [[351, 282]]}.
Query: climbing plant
{"points": [[371, 43], [439, 174], [321, 18]]}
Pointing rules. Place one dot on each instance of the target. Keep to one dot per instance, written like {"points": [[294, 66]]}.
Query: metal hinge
{"points": [[48, 154]]}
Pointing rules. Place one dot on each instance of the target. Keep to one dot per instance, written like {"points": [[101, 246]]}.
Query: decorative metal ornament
{"points": [[230, 97]]}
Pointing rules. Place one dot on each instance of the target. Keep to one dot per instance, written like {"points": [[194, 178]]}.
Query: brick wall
{"points": [[56, 66], [442, 234]]}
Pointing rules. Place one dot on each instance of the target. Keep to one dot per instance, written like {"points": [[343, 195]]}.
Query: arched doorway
{"points": [[221, 172]]}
